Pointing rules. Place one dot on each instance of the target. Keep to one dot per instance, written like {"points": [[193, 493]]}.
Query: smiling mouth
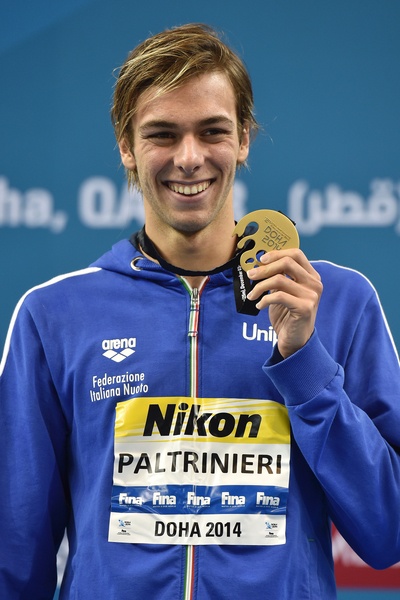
{"points": [[189, 190]]}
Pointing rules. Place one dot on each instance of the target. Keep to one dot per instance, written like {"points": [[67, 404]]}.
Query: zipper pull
{"points": [[194, 313]]}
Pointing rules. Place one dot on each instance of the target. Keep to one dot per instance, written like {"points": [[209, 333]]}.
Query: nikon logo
{"points": [[118, 349], [179, 420]]}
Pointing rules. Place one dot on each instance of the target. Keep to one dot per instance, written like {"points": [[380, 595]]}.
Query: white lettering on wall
{"points": [[312, 209], [33, 208], [240, 196], [100, 206]]}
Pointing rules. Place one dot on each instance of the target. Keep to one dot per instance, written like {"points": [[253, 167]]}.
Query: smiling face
{"points": [[186, 149]]}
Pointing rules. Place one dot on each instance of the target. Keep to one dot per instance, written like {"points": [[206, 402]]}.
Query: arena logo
{"points": [[118, 349], [312, 209]]}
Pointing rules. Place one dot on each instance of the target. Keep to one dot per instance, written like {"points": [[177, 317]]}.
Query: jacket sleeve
{"points": [[33, 436], [346, 422]]}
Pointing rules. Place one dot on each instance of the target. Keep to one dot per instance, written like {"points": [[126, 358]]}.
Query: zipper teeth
{"points": [[193, 336], [189, 573]]}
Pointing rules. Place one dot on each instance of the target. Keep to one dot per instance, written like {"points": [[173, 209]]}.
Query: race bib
{"points": [[200, 471]]}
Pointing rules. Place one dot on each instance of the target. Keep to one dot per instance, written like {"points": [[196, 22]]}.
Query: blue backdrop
{"points": [[327, 91]]}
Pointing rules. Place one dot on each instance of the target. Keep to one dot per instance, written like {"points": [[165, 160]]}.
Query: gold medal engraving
{"points": [[272, 231]]}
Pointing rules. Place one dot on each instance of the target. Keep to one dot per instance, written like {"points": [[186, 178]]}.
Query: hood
{"points": [[124, 258]]}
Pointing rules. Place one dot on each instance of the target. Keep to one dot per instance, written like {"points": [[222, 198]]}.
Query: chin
{"points": [[190, 226]]}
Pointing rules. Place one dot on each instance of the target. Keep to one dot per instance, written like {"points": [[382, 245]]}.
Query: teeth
{"points": [[189, 190]]}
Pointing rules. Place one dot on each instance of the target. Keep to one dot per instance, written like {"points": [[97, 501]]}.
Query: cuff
{"points": [[303, 375]]}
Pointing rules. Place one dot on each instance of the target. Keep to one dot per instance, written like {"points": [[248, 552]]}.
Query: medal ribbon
{"points": [[241, 283]]}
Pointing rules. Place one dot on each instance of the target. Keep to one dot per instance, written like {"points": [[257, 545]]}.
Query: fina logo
{"points": [[118, 349]]}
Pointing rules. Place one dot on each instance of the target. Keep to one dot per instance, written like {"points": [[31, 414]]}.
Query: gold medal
{"points": [[274, 231]]}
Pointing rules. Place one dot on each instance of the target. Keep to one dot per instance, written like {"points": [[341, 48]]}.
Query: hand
{"points": [[292, 289]]}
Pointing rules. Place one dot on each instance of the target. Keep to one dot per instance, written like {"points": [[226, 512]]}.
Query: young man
{"points": [[192, 450]]}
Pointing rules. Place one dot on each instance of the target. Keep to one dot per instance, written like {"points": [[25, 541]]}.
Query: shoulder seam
{"points": [[48, 283], [374, 293]]}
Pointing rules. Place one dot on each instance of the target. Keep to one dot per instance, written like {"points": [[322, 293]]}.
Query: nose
{"points": [[189, 156]]}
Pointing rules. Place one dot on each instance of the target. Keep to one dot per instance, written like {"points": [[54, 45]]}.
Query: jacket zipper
{"points": [[193, 333]]}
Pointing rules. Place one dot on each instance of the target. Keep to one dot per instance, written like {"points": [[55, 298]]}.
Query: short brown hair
{"points": [[169, 59]]}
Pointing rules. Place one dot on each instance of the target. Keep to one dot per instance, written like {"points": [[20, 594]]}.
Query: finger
{"points": [[271, 290], [303, 305], [289, 258], [296, 267], [277, 283]]}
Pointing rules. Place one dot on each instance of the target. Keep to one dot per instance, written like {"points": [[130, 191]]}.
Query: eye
{"points": [[160, 135], [214, 135], [215, 131], [160, 138]]}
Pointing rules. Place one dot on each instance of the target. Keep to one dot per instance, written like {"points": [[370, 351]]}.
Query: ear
{"points": [[244, 145], [127, 157]]}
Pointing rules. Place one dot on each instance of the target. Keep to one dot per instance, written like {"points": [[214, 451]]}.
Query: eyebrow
{"points": [[164, 124]]}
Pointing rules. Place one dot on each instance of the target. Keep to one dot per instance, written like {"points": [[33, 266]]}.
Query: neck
{"points": [[200, 251]]}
